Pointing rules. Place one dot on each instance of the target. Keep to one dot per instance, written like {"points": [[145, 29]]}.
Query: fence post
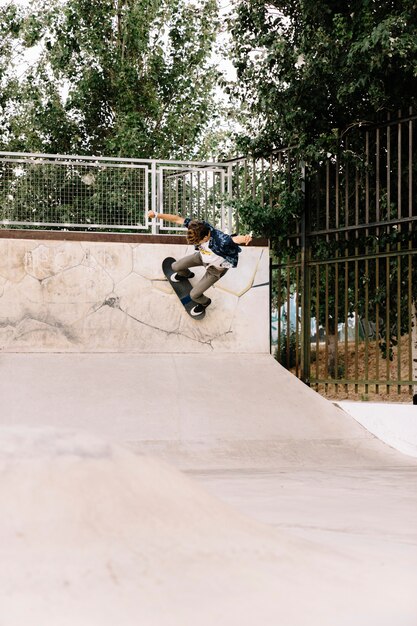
{"points": [[154, 192], [222, 198], [305, 281], [230, 197]]}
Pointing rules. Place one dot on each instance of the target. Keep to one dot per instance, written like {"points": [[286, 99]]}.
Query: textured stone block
{"points": [[68, 296], [47, 260]]}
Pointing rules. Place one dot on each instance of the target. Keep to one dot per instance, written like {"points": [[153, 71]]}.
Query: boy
{"points": [[217, 252]]}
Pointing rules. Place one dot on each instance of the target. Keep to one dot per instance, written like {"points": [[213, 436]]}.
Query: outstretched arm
{"points": [[245, 239], [168, 217]]}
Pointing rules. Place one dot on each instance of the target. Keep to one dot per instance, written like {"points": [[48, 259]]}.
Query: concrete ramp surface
{"points": [[290, 512], [155, 471], [96, 535], [217, 411]]}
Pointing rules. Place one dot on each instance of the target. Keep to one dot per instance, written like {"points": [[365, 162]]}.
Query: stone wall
{"points": [[78, 296]]}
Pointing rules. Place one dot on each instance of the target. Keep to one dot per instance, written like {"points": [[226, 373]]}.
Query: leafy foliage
{"points": [[308, 70], [121, 77]]}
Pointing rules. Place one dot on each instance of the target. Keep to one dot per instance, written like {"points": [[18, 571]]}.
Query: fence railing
{"points": [[345, 286], [105, 193], [77, 192]]}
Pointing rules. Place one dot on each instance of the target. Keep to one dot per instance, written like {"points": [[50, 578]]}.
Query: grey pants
{"points": [[211, 276]]}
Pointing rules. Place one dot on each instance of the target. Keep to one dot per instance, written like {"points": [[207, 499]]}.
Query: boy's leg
{"points": [[211, 276], [181, 266]]}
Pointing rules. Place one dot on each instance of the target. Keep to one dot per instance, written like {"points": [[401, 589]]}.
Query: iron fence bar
{"points": [[388, 170], [356, 320], [305, 281], [357, 227], [378, 175], [387, 262], [356, 199], [385, 124], [327, 198], [377, 320], [346, 318], [297, 286], [288, 317], [317, 182], [410, 167], [336, 267], [279, 307], [284, 265], [366, 321], [326, 309], [399, 317], [387, 338], [360, 381], [347, 178], [336, 319], [410, 261], [377, 259], [337, 200], [399, 170], [270, 304], [410, 321], [399, 213], [363, 257], [367, 179], [317, 319]]}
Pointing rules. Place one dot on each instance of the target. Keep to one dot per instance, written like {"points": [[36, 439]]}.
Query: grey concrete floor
{"points": [[371, 509], [252, 435]]}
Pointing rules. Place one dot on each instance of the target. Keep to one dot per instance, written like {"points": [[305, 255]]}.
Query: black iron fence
{"points": [[344, 286]]}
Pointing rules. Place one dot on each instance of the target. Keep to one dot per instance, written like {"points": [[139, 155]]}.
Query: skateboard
{"points": [[182, 289]]}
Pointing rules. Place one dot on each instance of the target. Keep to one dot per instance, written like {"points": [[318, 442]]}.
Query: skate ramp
{"points": [[89, 296], [92, 534], [99, 369], [217, 411]]}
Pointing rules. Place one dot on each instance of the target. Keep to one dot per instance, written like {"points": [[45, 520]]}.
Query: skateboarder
{"points": [[216, 251]]}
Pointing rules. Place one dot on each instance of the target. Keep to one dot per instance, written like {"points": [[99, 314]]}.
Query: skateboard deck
{"points": [[182, 289]]}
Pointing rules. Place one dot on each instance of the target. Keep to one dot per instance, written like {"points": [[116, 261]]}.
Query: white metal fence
{"points": [[61, 191]]}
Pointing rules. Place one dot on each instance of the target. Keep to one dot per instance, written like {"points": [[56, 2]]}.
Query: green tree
{"points": [[311, 75], [309, 69], [11, 19], [117, 77]]}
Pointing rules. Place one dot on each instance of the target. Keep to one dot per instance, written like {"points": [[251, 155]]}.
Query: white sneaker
{"points": [[199, 309], [177, 278]]}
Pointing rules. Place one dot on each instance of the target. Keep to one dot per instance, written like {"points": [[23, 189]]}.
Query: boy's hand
{"points": [[242, 239]]}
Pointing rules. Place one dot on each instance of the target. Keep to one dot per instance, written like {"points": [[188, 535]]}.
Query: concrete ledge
{"points": [[62, 235], [395, 424], [110, 296]]}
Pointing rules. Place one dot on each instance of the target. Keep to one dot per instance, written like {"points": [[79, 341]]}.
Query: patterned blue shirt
{"points": [[221, 244]]}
